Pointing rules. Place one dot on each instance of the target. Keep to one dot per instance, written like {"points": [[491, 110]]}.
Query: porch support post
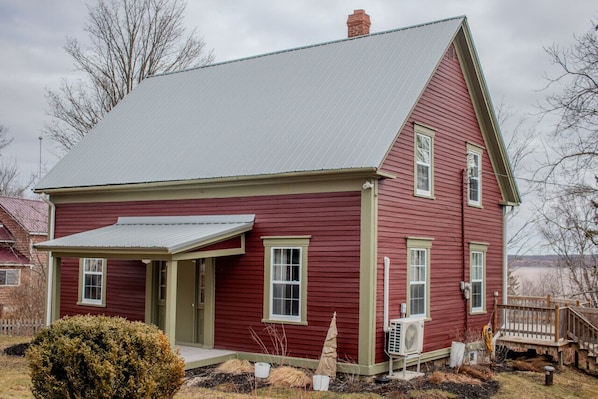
{"points": [[209, 304], [150, 294], [367, 276], [53, 300], [171, 286], [557, 323]]}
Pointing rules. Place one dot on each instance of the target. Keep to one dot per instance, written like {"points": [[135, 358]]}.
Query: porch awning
{"points": [[152, 235]]}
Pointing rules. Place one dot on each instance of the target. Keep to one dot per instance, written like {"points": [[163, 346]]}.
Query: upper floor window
{"points": [[474, 175], [424, 165], [424, 161], [92, 281], [10, 277], [418, 277], [285, 297]]}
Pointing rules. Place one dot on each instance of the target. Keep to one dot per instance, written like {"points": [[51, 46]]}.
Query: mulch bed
{"points": [[480, 386], [210, 377], [16, 350]]}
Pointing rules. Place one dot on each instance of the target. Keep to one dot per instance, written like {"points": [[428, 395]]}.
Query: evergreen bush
{"points": [[103, 357]]}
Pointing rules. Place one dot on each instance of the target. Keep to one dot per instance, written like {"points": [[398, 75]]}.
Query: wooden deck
{"points": [[546, 324]]}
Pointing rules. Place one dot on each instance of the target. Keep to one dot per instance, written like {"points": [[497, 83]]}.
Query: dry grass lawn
{"points": [[14, 377], [568, 384]]}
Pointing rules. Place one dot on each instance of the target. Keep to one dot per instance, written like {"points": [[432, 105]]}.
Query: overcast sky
{"points": [[509, 35]]}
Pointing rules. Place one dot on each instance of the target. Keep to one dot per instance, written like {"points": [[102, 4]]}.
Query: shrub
{"points": [[103, 357]]}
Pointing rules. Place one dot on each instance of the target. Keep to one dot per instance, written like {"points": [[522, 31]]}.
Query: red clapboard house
{"points": [[23, 222], [365, 176]]}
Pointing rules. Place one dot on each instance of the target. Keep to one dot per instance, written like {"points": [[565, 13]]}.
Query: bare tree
{"points": [[569, 175], [519, 132], [29, 298], [129, 40], [566, 223], [4, 139], [10, 185], [574, 157]]}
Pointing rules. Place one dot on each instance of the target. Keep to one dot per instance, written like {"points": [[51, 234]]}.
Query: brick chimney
{"points": [[358, 23]]}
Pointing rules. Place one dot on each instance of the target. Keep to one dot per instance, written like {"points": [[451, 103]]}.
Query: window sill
{"points": [[95, 305], [290, 322], [424, 318], [424, 196]]}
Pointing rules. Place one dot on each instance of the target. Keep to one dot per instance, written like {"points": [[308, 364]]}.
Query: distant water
{"points": [[543, 277]]}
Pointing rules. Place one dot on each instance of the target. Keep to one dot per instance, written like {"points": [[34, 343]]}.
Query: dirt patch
{"points": [[534, 364]]}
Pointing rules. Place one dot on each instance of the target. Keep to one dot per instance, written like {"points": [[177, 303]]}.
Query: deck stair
{"points": [[582, 330]]}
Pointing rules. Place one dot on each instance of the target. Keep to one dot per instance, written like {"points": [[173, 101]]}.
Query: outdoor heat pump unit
{"points": [[405, 337]]}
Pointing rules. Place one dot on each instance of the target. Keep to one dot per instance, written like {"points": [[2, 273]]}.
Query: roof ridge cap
{"points": [[346, 39]]}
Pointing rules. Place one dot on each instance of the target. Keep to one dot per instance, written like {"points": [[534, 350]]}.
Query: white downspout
{"points": [[386, 278], [505, 263], [50, 275]]}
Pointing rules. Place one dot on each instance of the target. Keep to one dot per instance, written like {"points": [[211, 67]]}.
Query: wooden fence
{"points": [[20, 327]]}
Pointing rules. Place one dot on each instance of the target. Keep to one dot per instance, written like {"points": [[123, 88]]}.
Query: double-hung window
{"points": [[424, 161], [418, 277], [286, 282], [10, 277], [474, 175], [92, 281], [478, 277], [285, 285]]}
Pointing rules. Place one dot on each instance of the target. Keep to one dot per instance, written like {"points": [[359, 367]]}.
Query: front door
{"points": [[195, 300], [190, 308]]}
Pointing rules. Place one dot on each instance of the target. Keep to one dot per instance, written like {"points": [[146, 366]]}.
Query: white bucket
{"points": [[262, 370], [321, 382]]}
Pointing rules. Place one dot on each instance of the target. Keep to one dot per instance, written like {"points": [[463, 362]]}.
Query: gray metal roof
{"points": [[333, 106], [162, 234]]}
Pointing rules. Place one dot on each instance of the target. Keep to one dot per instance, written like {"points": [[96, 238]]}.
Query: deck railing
{"points": [[532, 322], [548, 321], [543, 301], [582, 330]]}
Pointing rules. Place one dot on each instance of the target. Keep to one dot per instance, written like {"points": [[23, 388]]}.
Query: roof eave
{"points": [[217, 181], [487, 120]]}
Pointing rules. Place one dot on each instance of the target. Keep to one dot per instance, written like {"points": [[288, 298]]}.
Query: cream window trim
{"points": [[419, 244], [82, 274], [477, 250], [477, 152], [285, 242], [427, 134]]}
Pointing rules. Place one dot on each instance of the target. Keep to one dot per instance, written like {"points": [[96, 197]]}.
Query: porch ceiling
{"points": [[153, 235]]}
